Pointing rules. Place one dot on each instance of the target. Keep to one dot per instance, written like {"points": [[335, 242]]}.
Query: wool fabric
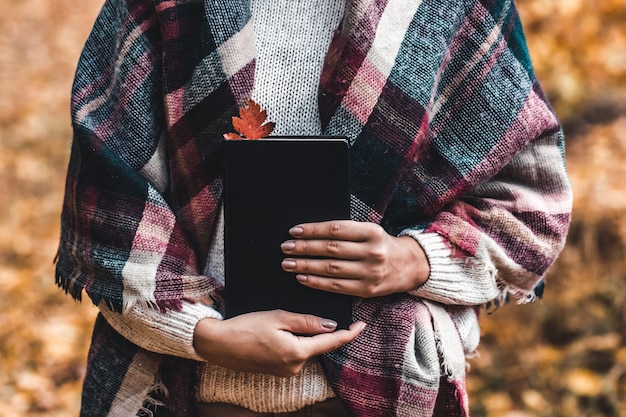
{"points": [[450, 134]]}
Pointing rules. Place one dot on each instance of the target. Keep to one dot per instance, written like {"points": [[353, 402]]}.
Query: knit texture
{"points": [[449, 133], [291, 39], [262, 392], [290, 55]]}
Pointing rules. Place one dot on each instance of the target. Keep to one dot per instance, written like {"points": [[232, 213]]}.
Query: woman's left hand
{"points": [[354, 258]]}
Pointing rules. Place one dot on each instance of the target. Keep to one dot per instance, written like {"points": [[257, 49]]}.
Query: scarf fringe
{"points": [[66, 283], [158, 388], [508, 292], [75, 291], [449, 348]]}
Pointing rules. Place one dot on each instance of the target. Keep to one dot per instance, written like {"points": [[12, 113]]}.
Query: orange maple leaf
{"points": [[251, 123]]}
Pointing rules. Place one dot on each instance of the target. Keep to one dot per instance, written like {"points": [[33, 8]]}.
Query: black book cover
{"points": [[271, 185]]}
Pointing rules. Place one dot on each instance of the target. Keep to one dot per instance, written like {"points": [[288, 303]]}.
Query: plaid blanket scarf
{"points": [[450, 133]]}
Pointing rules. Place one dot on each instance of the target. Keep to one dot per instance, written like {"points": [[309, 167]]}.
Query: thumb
{"points": [[322, 337], [324, 343], [305, 324]]}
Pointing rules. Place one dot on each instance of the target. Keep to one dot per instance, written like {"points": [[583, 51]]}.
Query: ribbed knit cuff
{"points": [[169, 333], [264, 393], [463, 281]]}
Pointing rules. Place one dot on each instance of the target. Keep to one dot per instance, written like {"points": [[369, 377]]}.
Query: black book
{"points": [[271, 185]]}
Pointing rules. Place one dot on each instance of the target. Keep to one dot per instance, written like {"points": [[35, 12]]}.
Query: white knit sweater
{"points": [[292, 37]]}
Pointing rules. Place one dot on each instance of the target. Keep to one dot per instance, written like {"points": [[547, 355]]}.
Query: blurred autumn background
{"points": [[564, 356]]}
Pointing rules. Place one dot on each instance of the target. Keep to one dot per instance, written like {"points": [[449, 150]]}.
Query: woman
{"points": [[459, 198]]}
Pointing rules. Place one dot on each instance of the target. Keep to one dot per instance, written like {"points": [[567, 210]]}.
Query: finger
{"points": [[324, 343], [338, 268], [338, 249], [335, 229], [306, 324], [353, 287]]}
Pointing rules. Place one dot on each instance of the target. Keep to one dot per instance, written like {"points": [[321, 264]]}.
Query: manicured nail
{"points": [[288, 245], [302, 278], [289, 263], [328, 324], [296, 231]]}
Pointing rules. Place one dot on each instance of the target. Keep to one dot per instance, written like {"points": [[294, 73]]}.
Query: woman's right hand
{"points": [[272, 342]]}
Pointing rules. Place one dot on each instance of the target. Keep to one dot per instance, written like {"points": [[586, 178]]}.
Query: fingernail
{"points": [[288, 245], [296, 231], [302, 278], [289, 263], [328, 324]]}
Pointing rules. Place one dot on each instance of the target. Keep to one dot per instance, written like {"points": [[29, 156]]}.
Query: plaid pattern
{"points": [[449, 131]]}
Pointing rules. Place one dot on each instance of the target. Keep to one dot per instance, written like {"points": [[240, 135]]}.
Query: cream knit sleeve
{"points": [[453, 280], [169, 333]]}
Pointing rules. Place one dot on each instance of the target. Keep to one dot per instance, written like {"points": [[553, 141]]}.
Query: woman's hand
{"points": [[357, 258], [266, 342]]}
